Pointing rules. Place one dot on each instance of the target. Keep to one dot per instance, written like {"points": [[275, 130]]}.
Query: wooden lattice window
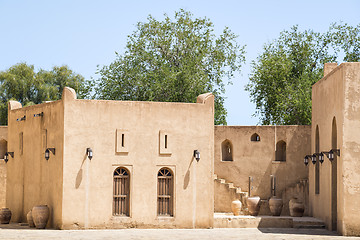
{"points": [[165, 192], [121, 203]]}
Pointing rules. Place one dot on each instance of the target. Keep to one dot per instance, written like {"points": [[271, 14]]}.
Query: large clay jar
{"points": [[275, 205], [30, 219], [296, 208], [5, 216], [253, 204], [236, 207], [40, 214]]}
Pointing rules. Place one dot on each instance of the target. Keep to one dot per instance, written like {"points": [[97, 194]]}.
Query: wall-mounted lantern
{"points": [[6, 156], [21, 119], [39, 114], [313, 158], [306, 159], [197, 155], [321, 157], [330, 154], [89, 153], [47, 152]]}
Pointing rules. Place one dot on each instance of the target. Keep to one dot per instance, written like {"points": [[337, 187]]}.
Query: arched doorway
{"points": [[334, 178]]}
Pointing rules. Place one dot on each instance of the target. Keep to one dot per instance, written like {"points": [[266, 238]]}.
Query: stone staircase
{"points": [[225, 193]]}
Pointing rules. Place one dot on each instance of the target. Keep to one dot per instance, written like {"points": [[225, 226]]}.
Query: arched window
{"points": [[3, 148], [280, 152], [121, 203], [226, 151], [165, 192], [255, 137]]}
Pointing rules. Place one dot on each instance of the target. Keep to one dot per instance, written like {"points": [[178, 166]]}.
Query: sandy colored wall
{"points": [[88, 184], [336, 96], [3, 149], [257, 159], [351, 148], [31, 180]]}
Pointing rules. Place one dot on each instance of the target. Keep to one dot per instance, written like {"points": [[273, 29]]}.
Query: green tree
{"points": [[282, 76], [21, 83], [173, 60]]}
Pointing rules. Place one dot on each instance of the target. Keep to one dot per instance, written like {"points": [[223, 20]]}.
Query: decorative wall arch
{"points": [[280, 152], [317, 164], [226, 150], [334, 176]]}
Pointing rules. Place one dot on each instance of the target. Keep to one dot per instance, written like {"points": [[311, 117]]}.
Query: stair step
{"points": [[310, 226]]}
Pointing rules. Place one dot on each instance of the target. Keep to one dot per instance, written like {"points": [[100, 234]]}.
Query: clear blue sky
{"points": [[84, 34]]}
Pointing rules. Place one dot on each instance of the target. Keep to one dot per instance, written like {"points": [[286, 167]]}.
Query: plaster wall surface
{"points": [[336, 99], [3, 150], [257, 160], [32, 180], [88, 184]]}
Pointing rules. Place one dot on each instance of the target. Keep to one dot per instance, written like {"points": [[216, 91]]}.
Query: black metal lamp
{"points": [[306, 159], [313, 158], [47, 152], [89, 153], [321, 157], [6, 156], [197, 155], [330, 154], [21, 119], [39, 114]]}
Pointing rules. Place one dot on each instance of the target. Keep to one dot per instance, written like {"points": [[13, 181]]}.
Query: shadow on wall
{"points": [[79, 175], [187, 175]]}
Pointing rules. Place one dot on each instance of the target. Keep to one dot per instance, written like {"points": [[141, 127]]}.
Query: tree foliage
{"points": [[282, 76], [173, 60], [21, 83]]}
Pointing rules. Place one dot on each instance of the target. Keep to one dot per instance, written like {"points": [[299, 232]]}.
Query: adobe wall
{"points": [[335, 99], [3, 150], [32, 180], [88, 184], [256, 159]]}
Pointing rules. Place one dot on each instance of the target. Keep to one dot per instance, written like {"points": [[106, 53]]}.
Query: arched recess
{"points": [[255, 137], [3, 148], [280, 152], [165, 193], [334, 177], [121, 192], [227, 150], [317, 167]]}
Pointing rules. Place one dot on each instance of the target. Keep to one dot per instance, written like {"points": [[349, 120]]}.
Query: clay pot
{"points": [[5, 216], [296, 208], [275, 205], [40, 215], [236, 207], [253, 204], [30, 220]]}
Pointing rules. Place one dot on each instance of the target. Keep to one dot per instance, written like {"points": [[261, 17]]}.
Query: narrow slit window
{"points": [[121, 192], [122, 140], [165, 191], [21, 143], [165, 141]]}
